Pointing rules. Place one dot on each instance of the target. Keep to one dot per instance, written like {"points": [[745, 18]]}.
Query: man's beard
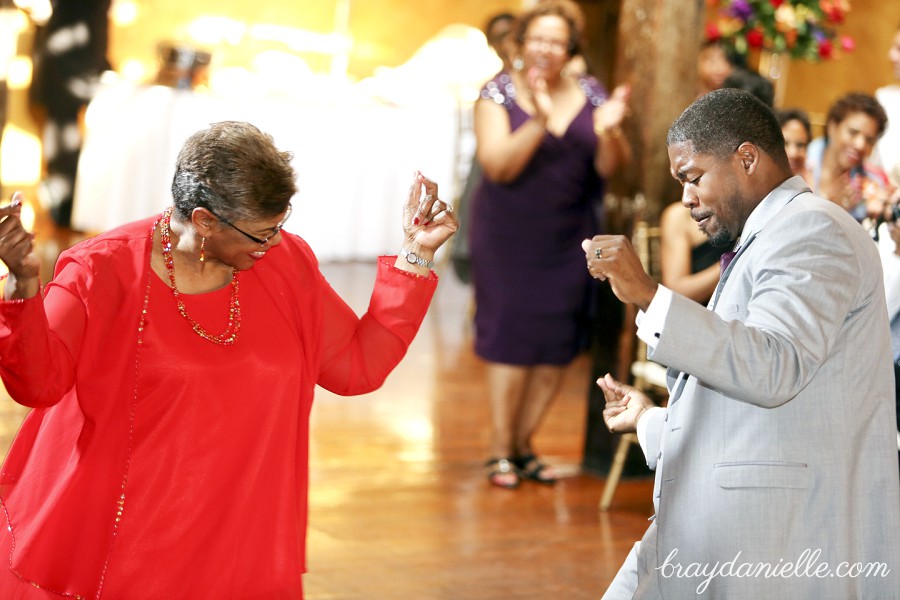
{"points": [[721, 238]]}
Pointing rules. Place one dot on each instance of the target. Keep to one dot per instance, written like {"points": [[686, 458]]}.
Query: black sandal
{"points": [[502, 466], [530, 467]]}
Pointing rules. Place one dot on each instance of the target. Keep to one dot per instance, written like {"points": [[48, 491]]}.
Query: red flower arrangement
{"points": [[803, 29]]}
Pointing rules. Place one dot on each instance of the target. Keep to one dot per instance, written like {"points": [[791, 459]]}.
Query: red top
{"points": [[193, 483]]}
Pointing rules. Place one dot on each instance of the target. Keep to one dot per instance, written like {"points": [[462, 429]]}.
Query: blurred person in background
{"points": [[499, 34], [545, 142], [743, 78], [69, 56], [714, 65], [838, 161], [797, 132]]}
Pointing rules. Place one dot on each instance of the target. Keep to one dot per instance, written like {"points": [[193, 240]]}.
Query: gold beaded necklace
{"points": [[227, 337]]}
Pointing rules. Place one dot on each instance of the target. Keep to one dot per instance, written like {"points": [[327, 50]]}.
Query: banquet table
{"points": [[354, 159]]}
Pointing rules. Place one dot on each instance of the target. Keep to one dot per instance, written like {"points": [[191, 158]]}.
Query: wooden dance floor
{"points": [[400, 507]]}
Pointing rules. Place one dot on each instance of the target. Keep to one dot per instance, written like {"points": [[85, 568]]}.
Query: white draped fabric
{"points": [[354, 159]]}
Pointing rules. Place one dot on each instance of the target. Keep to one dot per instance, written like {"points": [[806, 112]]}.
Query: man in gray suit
{"points": [[776, 462]]}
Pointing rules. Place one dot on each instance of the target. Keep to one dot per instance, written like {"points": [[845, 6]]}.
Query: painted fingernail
{"points": [[416, 221]]}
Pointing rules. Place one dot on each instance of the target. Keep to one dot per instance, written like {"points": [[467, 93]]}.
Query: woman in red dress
{"points": [[171, 365]]}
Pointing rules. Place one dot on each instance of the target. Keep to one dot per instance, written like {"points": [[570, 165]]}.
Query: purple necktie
{"points": [[725, 260]]}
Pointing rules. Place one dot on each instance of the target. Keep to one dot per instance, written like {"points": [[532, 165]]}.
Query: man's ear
{"points": [[748, 155]]}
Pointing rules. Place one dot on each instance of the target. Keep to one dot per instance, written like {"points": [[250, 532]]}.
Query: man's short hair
{"points": [[720, 121]]}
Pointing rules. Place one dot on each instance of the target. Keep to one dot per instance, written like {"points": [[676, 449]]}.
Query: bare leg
{"points": [[540, 391], [506, 387]]}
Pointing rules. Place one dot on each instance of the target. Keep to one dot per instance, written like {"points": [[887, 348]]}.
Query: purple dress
{"points": [[531, 283]]}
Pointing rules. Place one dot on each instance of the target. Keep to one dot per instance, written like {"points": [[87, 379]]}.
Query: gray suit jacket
{"points": [[779, 441]]}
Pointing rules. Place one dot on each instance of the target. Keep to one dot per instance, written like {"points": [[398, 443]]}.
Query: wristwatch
{"points": [[414, 259]]}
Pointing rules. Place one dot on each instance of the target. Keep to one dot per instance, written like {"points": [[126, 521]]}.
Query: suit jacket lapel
{"points": [[724, 276], [766, 210], [769, 207], [678, 387]]}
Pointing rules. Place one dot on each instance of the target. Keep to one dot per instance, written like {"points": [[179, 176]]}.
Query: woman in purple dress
{"points": [[545, 140]]}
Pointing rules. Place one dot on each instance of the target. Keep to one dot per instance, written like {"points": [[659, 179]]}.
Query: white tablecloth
{"points": [[354, 160]]}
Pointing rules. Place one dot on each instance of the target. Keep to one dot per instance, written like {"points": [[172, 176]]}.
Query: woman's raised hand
{"points": [[540, 95], [611, 113], [428, 221], [17, 252]]}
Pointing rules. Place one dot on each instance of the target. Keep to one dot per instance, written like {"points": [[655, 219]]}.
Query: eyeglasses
{"points": [[553, 45], [262, 242]]}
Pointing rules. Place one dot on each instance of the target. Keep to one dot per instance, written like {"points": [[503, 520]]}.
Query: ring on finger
{"points": [[598, 252], [449, 207]]}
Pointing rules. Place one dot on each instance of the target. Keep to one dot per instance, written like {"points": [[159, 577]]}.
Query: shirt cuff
{"points": [[642, 427], [650, 323]]}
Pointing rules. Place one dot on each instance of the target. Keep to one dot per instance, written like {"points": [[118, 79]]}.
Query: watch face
{"points": [[412, 258]]}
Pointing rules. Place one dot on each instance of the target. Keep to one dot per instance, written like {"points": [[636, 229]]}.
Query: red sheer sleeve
{"points": [[359, 353], [39, 340]]}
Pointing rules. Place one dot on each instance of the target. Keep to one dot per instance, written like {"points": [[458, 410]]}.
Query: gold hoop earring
{"points": [[203, 250]]}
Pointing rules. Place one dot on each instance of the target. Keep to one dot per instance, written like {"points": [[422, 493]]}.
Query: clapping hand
{"points": [[17, 252], [540, 95], [611, 113], [878, 197]]}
